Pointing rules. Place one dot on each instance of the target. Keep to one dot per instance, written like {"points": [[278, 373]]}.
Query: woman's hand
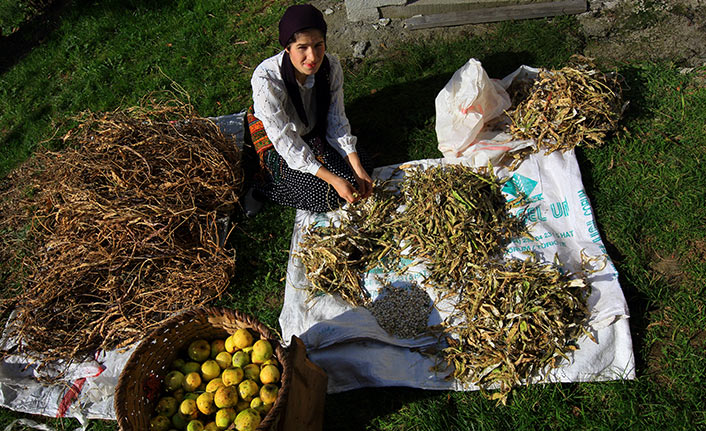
{"points": [[345, 190], [365, 183], [342, 187]]}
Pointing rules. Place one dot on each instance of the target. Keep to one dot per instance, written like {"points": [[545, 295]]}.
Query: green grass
{"points": [[646, 185], [104, 55]]}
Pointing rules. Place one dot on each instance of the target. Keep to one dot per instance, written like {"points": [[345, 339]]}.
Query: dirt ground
{"points": [[614, 31]]}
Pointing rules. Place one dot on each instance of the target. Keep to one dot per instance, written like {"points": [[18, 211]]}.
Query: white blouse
{"points": [[282, 124]]}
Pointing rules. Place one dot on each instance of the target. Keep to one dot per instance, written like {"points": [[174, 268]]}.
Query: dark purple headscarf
{"points": [[297, 18], [300, 17]]}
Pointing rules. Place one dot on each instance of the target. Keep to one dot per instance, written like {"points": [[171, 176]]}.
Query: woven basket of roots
{"points": [[139, 385]]}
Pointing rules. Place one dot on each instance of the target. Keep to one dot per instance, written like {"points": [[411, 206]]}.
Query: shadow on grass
{"points": [[384, 120], [355, 410], [30, 34], [17, 132], [40, 26], [396, 123], [635, 88], [501, 64], [11, 159]]}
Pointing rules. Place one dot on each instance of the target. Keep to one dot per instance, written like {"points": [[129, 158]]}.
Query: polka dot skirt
{"points": [[289, 187]]}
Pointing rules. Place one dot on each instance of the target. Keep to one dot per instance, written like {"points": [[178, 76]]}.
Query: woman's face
{"points": [[307, 53]]}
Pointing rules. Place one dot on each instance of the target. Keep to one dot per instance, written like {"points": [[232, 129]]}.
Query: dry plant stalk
{"points": [[455, 217], [336, 255], [512, 319], [575, 105], [117, 231]]}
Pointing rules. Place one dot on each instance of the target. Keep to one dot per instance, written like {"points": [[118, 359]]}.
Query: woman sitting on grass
{"points": [[298, 125]]}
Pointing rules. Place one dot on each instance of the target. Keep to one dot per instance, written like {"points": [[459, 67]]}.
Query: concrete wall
{"points": [[367, 10], [372, 10]]}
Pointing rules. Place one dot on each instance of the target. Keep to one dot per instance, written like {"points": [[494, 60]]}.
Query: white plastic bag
{"points": [[468, 101]]}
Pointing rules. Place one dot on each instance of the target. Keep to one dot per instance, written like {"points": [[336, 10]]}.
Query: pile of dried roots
{"points": [[560, 109], [107, 238], [511, 319]]}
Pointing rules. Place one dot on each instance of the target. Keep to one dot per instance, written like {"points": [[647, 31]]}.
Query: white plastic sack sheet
{"points": [[83, 390], [351, 347], [477, 135], [466, 103]]}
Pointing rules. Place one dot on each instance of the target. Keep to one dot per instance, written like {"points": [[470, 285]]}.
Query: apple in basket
{"points": [[199, 350], [229, 383]]}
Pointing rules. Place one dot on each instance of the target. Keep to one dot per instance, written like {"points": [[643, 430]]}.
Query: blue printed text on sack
{"points": [[534, 214], [585, 203]]}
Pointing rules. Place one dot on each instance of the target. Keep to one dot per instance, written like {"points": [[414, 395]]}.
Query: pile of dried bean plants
{"points": [[560, 109], [511, 319], [110, 236], [336, 255], [452, 216]]}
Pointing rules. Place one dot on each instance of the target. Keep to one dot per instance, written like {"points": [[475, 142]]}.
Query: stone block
{"points": [[367, 10]]}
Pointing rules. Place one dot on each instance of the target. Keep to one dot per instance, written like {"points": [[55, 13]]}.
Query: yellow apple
{"points": [[225, 417], [247, 420], [217, 346], [210, 370], [242, 338], [247, 389], [269, 374], [261, 351], [227, 396], [160, 423], [232, 376], [268, 393], [205, 403], [224, 360], [214, 384]]}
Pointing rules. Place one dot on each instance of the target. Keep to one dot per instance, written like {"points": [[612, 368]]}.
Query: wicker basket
{"points": [[140, 382]]}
